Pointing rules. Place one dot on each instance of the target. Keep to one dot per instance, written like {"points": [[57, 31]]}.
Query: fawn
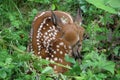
{"points": [[54, 34]]}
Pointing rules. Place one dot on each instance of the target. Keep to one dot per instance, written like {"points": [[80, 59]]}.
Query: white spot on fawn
{"points": [[41, 14], [38, 43], [57, 46], [61, 43], [47, 24], [37, 36], [55, 67], [57, 49], [49, 17], [61, 52], [44, 28], [69, 47], [38, 52], [54, 52], [38, 40], [55, 59], [46, 33], [41, 39], [52, 55], [60, 60], [47, 58], [65, 47]]}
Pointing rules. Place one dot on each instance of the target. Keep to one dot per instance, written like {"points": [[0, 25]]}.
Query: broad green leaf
{"points": [[109, 66], [69, 59], [53, 7], [114, 3], [100, 4], [47, 70]]}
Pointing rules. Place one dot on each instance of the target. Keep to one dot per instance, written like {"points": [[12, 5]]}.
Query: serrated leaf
{"points": [[8, 60], [116, 50]]}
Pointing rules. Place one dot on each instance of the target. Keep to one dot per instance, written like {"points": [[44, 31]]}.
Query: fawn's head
{"points": [[71, 32]]}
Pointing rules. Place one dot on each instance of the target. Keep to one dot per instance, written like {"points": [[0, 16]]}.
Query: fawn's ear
{"points": [[56, 20], [79, 22], [78, 19]]}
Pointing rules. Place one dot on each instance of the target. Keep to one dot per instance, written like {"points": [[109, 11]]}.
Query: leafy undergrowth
{"points": [[101, 45]]}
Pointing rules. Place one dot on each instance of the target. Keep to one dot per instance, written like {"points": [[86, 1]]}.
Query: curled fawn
{"points": [[54, 34]]}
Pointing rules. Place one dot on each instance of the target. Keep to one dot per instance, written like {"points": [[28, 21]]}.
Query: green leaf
{"points": [[70, 59], [114, 3], [3, 74], [116, 50], [63, 77], [34, 11], [2, 64], [48, 79], [101, 75], [53, 7], [109, 66], [22, 47], [48, 70], [8, 60], [79, 78], [100, 4]]}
